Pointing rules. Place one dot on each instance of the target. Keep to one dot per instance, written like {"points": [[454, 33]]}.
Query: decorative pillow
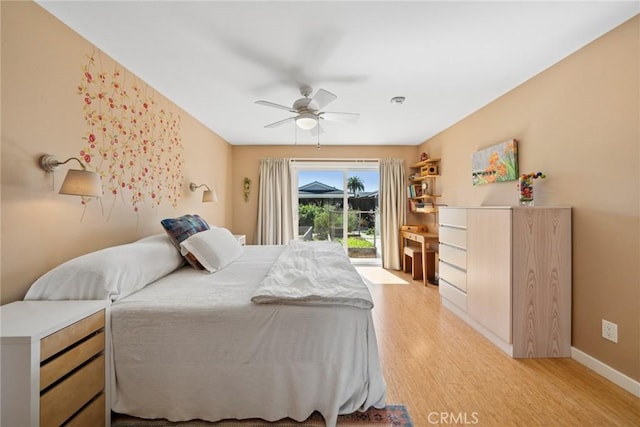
{"points": [[214, 249], [182, 227], [110, 273], [179, 229]]}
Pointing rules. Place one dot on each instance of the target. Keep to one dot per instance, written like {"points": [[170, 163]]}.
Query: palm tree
{"points": [[354, 184]]}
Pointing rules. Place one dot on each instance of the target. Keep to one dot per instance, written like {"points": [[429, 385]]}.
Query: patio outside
{"points": [[320, 216]]}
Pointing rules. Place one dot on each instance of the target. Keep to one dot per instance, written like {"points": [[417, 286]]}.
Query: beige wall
{"points": [[42, 63], [579, 123], [246, 163]]}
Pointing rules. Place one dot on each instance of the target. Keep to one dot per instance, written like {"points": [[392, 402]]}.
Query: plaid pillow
{"points": [[179, 229]]}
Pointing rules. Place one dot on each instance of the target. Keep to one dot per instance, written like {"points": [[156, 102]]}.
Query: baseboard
{"points": [[618, 378], [498, 342]]}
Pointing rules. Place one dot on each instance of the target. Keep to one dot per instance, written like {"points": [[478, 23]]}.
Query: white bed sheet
{"points": [[193, 345]]}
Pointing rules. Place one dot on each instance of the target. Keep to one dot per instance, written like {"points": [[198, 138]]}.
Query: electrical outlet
{"points": [[609, 331]]}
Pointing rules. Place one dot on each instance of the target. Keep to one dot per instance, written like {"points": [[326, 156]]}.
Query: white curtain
{"points": [[393, 210], [275, 206]]}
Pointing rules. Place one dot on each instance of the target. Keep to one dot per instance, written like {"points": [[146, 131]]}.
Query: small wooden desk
{"points": [[424, 238]]}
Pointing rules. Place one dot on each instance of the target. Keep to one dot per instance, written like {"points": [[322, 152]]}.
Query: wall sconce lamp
{"points": [[208, 195], [77, 182]]}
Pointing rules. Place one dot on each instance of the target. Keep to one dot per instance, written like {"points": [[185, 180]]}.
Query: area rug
{"points": [[390, 416]]}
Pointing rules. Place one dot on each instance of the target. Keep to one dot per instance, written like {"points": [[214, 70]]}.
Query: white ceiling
{"points": [[215, 58]]}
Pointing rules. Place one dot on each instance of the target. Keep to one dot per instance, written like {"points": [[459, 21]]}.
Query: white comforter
{"points": [[313, 273], [193, 345]]}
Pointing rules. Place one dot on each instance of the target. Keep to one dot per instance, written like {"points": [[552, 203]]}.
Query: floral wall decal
{"points": [[131, 140]]}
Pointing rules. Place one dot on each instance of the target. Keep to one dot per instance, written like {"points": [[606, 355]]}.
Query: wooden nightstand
{"points": [[242, 239], [54, 367]]}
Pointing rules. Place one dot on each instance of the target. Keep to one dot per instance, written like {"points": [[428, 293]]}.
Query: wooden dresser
{"points": [[507, 272], [54, 363]]}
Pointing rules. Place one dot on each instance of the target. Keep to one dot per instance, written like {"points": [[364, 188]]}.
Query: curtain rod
{"points": [[334, 160]]}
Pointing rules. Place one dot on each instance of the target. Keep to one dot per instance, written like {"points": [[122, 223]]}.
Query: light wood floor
{"points": [[435, 364]]}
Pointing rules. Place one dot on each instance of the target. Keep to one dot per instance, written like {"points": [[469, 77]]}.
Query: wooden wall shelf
{"points": [[422, 184]]}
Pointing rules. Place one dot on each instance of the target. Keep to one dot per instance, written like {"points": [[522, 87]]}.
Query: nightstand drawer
{"points": [[92, 415], [62, 339], [54, 363], [70, 395], [57, 368]]}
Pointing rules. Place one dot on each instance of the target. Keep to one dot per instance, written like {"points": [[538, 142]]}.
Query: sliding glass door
{"points": [[320, 204], [338, 201]]}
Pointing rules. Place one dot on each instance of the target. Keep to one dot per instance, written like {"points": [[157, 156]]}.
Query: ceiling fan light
{"points": [[306, 121]]}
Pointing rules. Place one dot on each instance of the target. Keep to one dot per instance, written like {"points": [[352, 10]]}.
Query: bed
{"points": [[229, 345]]}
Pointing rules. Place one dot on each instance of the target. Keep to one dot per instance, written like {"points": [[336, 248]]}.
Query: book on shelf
{"points": [[414, 190]]}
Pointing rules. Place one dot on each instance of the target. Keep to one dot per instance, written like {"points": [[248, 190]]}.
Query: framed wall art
{"points": [[497, 163]]}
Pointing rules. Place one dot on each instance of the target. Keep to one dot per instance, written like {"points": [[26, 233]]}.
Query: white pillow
{"points": [[110, 273], [214, 249]]}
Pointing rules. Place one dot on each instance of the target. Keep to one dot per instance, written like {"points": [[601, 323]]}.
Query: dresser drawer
{"points": [[453, 275], [62, 401], [453, 294], [60, 366], [453, 255], [453, 236], [453, 217], [62, 339]]}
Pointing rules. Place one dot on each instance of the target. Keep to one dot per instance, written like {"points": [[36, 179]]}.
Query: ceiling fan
{"points": [[308, 110]]}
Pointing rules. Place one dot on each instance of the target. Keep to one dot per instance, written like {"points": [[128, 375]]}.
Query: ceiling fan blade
{"points": [[322, 98], [281, 122], [340, 117], [274, 105]]}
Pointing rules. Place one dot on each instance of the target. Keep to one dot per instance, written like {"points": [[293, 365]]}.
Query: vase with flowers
{"points": [[525, 187]]}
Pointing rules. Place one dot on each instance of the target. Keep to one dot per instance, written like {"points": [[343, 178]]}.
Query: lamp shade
{"points": [[209, 196], [82, 183]]}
